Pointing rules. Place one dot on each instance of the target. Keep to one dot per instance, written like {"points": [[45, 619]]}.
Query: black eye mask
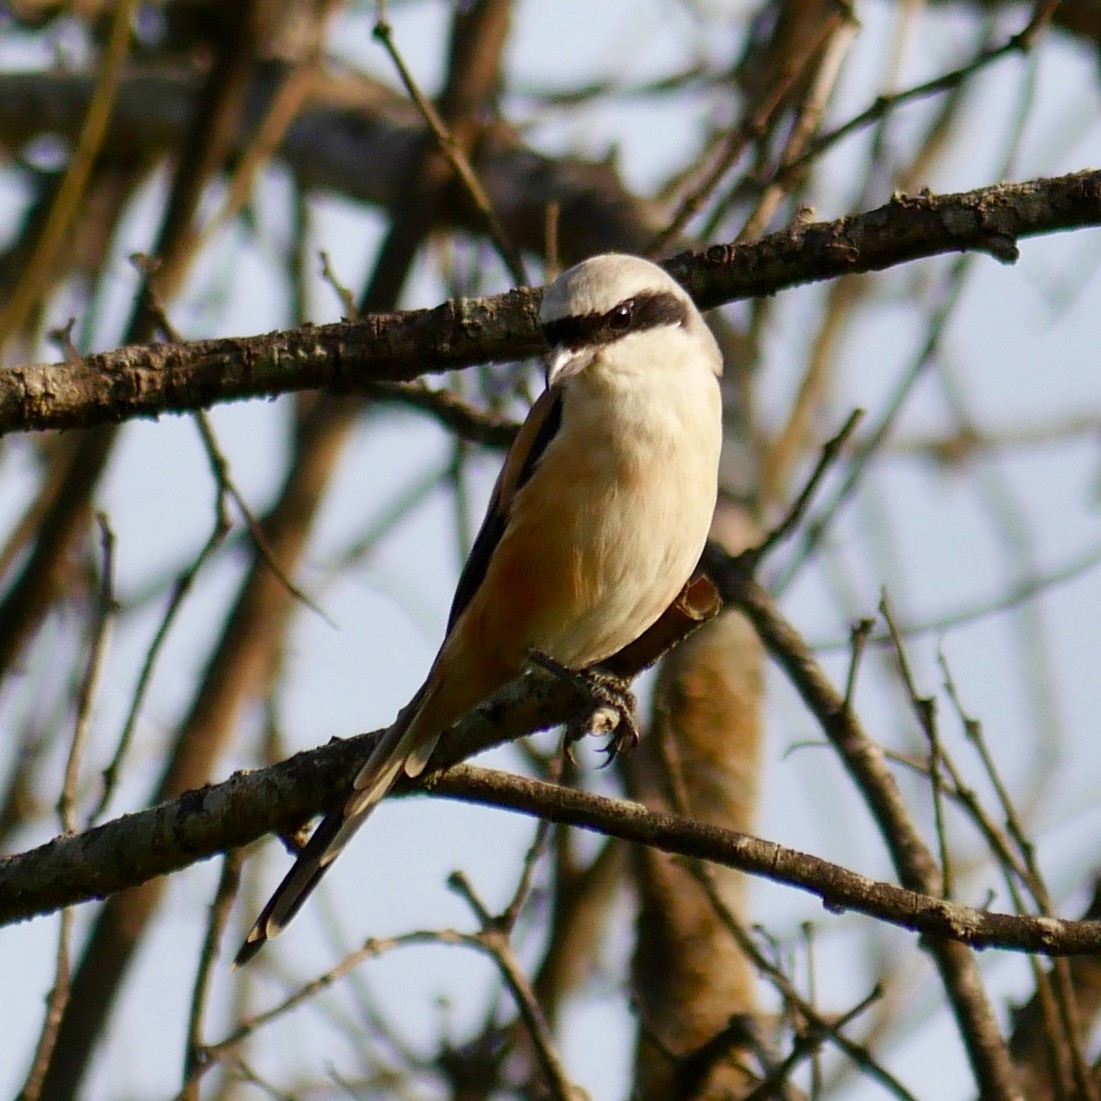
{"points": [[648, 310]]}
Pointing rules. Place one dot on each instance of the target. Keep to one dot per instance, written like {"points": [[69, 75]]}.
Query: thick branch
{"points": [[839, 888], [147, 380], [203, 823], [199, 824]]}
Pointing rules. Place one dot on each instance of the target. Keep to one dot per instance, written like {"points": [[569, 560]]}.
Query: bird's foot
{"points": [[614, 709]]}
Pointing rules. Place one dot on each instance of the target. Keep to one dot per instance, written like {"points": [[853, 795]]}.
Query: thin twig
{"points": [[510, 914], [58, 998], [1027, 589], [796, 1006], [220, 469], [736, 141], [917, 869], [219, 466], [374, 947], [179, 591], [195, 1062], [495, 942], [103, 620], [807, 929], [925, 710], [830, 452], [453, 153], [348, 309], [790, 993], [858, 641], [806, 1044], [56, 1001], [870, 446], [1073, 1030], [883, 105], [961, 793], [825, 77]]}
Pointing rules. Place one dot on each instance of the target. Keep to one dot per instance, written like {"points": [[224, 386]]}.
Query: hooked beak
{"points": [[564, 362]]}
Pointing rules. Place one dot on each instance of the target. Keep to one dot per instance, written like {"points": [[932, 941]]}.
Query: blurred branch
{"points": [[826, 72], [110, 945], [180, 589], [1019, 43], [143, 380], [201, 152], [98, 646], [494, 940], [868, 447], [771, 96], [349, 121], [954, 449], [701, 1032], [866, 764], [451, 145], [93, 128], [1030, 1040], [463, 420]]}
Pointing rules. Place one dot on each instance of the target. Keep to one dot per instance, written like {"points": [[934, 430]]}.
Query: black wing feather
{"points": [[496, 519]]}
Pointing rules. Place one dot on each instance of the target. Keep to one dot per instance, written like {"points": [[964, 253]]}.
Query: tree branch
{"points": [[147, 380], [347, 121], [203, 823]]}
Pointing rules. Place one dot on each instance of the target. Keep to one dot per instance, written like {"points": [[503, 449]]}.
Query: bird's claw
{"points": [[614, 708], [624, 738]]}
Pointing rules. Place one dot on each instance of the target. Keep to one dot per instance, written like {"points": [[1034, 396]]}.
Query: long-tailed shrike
{"points": [[598, 519]]}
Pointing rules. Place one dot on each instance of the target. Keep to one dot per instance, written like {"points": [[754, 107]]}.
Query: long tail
{"points": [[401, 747]]}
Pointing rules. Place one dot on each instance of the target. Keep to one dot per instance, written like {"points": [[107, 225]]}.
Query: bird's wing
{"points": [[540, 427], [406, 744]]}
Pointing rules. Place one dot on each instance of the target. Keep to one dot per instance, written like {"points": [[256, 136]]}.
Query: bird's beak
{"points": [[563, 362]]}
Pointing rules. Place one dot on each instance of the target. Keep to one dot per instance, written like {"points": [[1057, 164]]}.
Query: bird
{"points": [[597, 520]]}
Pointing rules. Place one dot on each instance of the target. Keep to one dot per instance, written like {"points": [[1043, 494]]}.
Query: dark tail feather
{"points": [[297, 886], [373, 781]]}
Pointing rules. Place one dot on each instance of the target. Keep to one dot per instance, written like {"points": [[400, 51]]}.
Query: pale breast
{"points": [[632, 504]]}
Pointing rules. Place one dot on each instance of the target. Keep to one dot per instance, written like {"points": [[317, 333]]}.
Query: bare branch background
{"points": [[302, 227]]}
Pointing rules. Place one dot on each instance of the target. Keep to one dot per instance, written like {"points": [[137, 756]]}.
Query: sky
{"points": [[1022, 344]]}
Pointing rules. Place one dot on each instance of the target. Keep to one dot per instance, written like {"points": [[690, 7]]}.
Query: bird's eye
{"points": [[620, 317]]}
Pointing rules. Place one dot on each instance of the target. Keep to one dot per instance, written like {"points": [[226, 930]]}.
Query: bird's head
{"points": [[624, 310]]}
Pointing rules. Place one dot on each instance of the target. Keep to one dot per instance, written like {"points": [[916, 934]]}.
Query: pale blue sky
{"points": [[1021, 359]]}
